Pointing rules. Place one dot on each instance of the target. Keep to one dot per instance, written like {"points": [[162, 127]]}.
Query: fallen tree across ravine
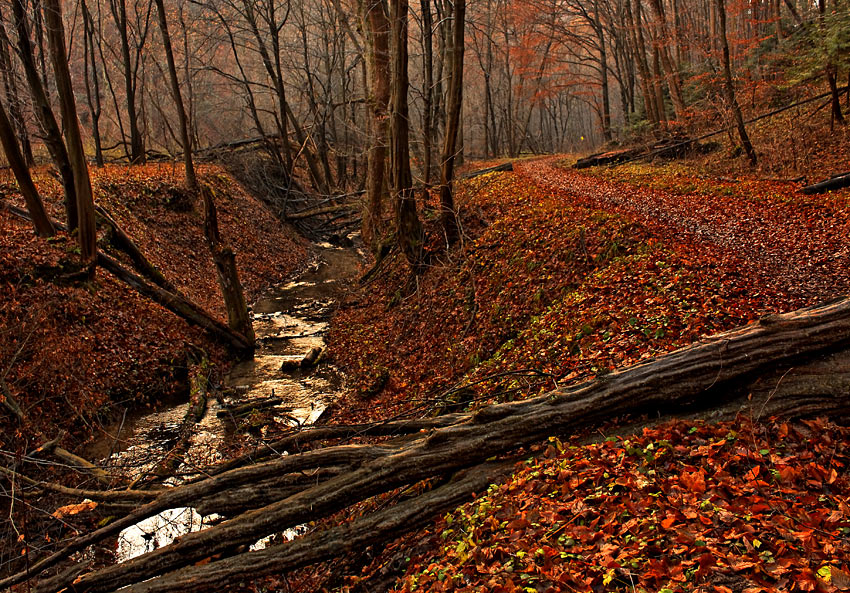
{"points": [[789, 364]]}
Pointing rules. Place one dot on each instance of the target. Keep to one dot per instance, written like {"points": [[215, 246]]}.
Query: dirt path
{"points": [[791, 245]]}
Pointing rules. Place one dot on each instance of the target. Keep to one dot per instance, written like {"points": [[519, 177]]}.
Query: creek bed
{"points": [[289, 321]]}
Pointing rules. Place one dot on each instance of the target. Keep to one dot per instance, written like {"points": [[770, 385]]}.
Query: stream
{"points": [[289, 321]]}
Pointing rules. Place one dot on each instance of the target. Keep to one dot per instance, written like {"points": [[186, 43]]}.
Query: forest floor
{"points": [[562, 276], [108, 346]]}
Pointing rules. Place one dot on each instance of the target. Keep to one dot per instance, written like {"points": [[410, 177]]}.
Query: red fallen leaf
{"points": [[668, 522], [694, 481], [706, 563], [806, 580], [74, 509], [722, 589], [753, 473], [738, 564], [788, 474]]}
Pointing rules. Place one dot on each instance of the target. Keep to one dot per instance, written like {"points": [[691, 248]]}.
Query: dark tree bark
{"points": [[44, 114], [408, 228], [10, 88], [603, 72], [831, 76], [185, 137], [639, 56], [729, 86], [137, 145], [674, 82], [228, 276], [454, 107], [376, 26], [86, 228], [18, 164], [92, 79], [121, 240], [172, 301], [428, 90]]}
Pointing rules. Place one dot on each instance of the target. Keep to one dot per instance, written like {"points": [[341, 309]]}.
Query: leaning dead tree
{"points": [[790, 364]]}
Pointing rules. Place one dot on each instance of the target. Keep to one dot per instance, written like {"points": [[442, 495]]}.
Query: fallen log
{"points": [[324, 545], [689, 141], [198, 395], [607, 158], [122, 241], [318, 212], [52, 447], [124, 496], [351, 456], [247, 408], [503, 167], [301, 438], [837, 182], [705, 375], [9, 402], [176, 303], [238, 499]]}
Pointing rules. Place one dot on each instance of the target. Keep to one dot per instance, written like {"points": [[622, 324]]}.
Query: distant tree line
{"points": [[387, 97]]}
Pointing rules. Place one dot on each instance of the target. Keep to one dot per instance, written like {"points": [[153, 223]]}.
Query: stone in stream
{"points": [[308, 360]]}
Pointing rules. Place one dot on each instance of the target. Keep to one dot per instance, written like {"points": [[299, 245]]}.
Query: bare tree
{"points": [[448, 217], [44, 113], [186, 139], [86, 230], [408, 228], [18, 164], [729, 86]]}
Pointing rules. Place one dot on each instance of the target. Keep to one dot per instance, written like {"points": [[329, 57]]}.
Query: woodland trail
{"points": [[793, 245]]}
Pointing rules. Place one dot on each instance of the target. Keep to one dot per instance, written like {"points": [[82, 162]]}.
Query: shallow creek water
{"points": [[289, 321]]}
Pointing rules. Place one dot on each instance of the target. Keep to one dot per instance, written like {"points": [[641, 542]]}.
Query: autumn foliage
{"points": [[565, 276], [686, 506]]}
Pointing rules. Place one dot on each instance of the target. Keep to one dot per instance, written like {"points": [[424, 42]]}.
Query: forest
{"points": [[363, 296]]}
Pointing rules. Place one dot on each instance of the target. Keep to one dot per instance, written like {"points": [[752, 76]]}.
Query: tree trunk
{"points": [[137, 146], [17, 163], [639, 51], [44, 114], [228, 276], [86, 229], [376, 25], [92, 81], [408, 228], [831, 75], [10, 88], [729, 86], [739, 369], [121, 240], [603, 73], [427, 91], [448, 217], [674, 83], [185, 138]]}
